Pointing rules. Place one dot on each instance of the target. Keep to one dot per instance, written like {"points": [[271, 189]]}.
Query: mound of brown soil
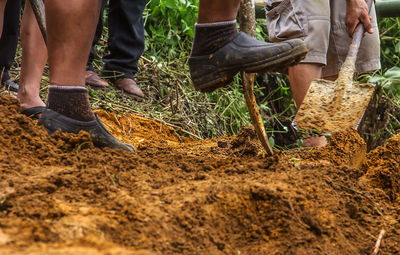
{"points": [[383, 168], [345, 148], [61, 195]]}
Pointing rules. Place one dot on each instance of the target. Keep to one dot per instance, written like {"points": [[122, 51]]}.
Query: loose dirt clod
{"points": [[246, 143], [61, 195]]}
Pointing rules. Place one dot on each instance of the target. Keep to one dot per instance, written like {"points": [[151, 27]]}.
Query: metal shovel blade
{"points": [[322, 109]]}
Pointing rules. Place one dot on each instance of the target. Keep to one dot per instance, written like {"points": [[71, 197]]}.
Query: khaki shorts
{"points": [[321, 24]]}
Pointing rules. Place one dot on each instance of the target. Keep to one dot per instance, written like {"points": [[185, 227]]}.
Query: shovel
{"points": [[38, 10], [331, 106], [248, 25]]}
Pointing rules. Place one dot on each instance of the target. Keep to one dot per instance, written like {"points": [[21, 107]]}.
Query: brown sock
{"points": [[70, 101], [210, 37]]}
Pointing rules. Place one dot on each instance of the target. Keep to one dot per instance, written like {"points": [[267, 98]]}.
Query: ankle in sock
{"points": [[70, 101], [210, 37]]}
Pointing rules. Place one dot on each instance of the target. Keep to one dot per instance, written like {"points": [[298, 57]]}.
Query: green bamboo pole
{"points": [[387, 8]]}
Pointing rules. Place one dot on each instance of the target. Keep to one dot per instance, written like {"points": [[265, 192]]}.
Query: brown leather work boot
{"points": [[130, 87], [93, 79]]}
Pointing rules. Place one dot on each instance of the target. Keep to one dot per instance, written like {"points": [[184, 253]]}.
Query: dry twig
{"points": [[378, 242]]}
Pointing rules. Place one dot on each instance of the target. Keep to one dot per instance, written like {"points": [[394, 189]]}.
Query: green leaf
{"points": [[170, 4], [397, 47], [393, 74], [271, 141]]}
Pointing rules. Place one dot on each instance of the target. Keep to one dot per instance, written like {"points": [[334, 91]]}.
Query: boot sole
{"points": [[225, 77]]}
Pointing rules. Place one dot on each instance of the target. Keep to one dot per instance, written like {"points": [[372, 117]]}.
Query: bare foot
{"points": [[315, 141], [28, 99]]}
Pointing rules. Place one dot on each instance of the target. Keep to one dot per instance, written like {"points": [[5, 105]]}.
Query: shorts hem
{"points": [[314, 59]]}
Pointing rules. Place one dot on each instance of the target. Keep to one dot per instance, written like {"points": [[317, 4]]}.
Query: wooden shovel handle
{"points": [[248, 25], [248, 90], [38, 10]]}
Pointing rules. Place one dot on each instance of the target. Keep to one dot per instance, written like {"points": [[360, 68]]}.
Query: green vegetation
{"points": [[390, 42], [170, 25], [382, 118]]}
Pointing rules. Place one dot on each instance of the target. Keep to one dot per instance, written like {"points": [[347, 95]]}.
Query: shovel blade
{"points": [[328, 110]]}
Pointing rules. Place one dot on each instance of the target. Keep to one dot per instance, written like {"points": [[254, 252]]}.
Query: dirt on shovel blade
{"points": [[320, 111], [61, 195]]}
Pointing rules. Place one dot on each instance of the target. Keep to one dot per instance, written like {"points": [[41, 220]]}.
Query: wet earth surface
{"points": [[61, 195]]}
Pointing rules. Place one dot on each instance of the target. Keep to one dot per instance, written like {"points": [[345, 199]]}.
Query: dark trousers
{"points": [[9, 38], [125, 38]]}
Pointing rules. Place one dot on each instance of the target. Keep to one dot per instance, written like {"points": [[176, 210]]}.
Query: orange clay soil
{"points": [[60, 195]]}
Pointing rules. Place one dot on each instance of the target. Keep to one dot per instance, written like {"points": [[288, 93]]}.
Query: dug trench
{"points": [[61, 195]]}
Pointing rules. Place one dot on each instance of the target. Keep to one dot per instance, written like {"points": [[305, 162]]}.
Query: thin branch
{"points": [[378, 242]]}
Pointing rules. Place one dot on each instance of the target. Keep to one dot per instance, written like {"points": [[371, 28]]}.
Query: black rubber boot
{"points": [[243, 53], [54, 121]]}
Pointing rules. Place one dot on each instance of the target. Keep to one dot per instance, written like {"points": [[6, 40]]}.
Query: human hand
{"points": [[357, 11]]}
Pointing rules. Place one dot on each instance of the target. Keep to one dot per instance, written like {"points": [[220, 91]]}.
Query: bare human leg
{"points": [[70, 30], [216, 11], [2, 7], [34, 57]]}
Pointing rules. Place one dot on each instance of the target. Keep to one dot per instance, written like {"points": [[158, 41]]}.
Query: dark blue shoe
{"points": [[10, 85]]}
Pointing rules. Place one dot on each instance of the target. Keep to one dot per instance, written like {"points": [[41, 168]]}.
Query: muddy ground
{"points": [[60, 195]]}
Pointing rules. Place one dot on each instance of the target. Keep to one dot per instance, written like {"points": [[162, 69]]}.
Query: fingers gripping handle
{"points": [[358, 35]]}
